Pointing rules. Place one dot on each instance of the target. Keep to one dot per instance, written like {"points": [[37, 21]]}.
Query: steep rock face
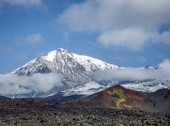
{"points": [[71, 65]]}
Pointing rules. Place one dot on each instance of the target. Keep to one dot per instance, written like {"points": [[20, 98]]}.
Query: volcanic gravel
{"points": [[65, 115]]}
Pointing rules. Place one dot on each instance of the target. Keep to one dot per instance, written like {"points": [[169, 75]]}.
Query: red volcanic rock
{"points": [[25, 102], [21, 102], [2, 104], [4, 101]]}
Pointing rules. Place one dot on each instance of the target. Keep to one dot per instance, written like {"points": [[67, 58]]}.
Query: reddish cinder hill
{"points": [[122, 98]]}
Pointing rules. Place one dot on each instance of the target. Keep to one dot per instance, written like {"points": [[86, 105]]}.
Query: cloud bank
{"points": [[14, 84], [135, 74], [123, 23]]}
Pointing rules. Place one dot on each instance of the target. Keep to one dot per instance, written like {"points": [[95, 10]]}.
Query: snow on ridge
{"points": [[25, 65], [87, 61]]}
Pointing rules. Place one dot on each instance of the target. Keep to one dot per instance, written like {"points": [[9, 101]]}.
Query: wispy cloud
{"points": [[131, 74], [130, 24], [141, 59], [6, 49], [14, 84], [118, 58], [24, 3], [30, 39]]}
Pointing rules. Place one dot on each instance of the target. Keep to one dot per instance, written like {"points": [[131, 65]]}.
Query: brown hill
{"points": [[122, 98]]}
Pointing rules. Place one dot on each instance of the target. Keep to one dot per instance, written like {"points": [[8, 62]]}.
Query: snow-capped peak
{"points": [[50, 56], [64, 62], [82, 59]]}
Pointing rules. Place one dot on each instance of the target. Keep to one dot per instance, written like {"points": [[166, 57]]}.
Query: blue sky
{"points": [[125, 33]]}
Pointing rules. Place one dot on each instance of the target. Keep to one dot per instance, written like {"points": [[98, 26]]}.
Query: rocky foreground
{"points": [[66, 115]]}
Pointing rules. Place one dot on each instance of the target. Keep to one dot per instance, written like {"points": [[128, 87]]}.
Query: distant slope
{"points": [[148, 85]]}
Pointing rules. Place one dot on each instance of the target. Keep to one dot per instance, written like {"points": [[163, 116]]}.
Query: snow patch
{"points": [[85, 89], [50, 56], [148, 86]]}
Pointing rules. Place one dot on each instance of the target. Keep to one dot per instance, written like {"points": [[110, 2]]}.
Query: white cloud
{"points": [[122, 23], [14, 84], [31, 39], [125, 38], [133, 38], [162, 72], [21, 2], [165, 67]]}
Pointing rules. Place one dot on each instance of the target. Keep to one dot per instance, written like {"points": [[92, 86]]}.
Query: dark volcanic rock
{"points": [[67, 115]]}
